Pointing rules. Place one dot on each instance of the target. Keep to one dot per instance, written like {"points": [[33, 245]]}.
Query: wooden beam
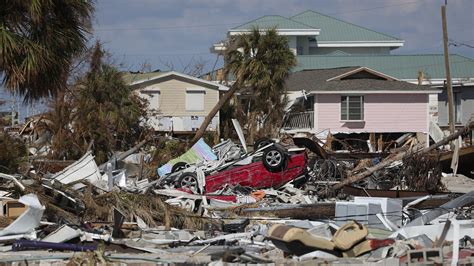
{"points": [[448, 72], [399, 156]]}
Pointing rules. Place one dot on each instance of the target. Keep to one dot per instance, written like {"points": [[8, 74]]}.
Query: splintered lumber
{"points": [[461, 201], [399, 156]]}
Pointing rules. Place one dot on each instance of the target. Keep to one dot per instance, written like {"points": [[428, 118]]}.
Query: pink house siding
{"points": [[382, 113]]}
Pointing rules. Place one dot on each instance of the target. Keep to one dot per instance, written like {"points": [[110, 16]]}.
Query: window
{"points": [[352, 108], [457, 108], [153, 98], [299, 50], [309, 103], [195, 100]]}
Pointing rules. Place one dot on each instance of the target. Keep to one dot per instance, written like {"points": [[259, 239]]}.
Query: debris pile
{"points": [[283, 202]]}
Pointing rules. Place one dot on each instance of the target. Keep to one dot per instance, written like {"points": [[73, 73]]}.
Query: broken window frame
{"points": [[346, 114]]}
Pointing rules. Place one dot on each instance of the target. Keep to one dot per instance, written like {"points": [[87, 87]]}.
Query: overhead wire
{"points": [[458, 43], [239, 23], [453, 43]]}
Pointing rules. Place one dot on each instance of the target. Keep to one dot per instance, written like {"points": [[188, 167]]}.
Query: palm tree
{"points": [[260, 61], [38, 40]]}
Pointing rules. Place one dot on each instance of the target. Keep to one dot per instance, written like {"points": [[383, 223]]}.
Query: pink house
{"points": [[356, 100]]}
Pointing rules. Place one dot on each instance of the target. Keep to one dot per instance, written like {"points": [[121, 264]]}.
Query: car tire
{"points": [[188, 181], [261, 142], [274, 159], [179, 166]]}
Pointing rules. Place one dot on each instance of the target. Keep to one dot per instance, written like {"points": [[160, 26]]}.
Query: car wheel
{"points": [[189, 181], [274, 159], [179, 166], [262, 142]]}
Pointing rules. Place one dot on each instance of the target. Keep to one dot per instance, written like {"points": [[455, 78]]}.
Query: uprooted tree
{"points": [[260, 63], [98, 112]]}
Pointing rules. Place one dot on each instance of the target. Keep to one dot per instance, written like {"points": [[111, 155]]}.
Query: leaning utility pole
{"points": [[448, 72]]}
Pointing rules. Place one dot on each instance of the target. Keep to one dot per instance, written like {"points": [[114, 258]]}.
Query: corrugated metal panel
{"points": [[333, 29], [399, 66], [268, 22]]}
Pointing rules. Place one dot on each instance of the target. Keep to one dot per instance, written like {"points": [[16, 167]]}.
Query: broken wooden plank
{"points": [[389, 160]]}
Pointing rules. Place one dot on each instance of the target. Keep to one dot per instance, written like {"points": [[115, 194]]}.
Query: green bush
{"points": [[13, 153]]}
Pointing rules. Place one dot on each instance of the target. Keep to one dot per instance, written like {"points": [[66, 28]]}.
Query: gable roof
{"points": [[130, 77], [335, 30], [316, 76], [361, 71], [321, 81], [156, 77]]}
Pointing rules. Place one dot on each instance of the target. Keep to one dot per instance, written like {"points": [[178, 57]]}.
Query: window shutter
{"points": [[195, 100]]}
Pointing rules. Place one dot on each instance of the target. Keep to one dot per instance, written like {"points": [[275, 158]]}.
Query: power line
{"points": [[166, 27], [379, 7], [239, 23], [457, 44], [174, 54]]}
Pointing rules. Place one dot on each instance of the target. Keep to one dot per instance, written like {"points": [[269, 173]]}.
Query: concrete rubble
{"points": [[231, 204]]}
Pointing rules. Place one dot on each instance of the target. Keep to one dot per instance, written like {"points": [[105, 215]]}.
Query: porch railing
{"points": [[302, 120]]}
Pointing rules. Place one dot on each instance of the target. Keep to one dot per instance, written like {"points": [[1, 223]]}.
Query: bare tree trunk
{"points": [[213, 113], [354, 178], [252, 126]]}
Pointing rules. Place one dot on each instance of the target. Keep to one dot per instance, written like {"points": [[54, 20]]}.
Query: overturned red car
{"points": [[274, 167]]}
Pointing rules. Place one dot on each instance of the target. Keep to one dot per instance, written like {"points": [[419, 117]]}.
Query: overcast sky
{"points": [[158, 32]]}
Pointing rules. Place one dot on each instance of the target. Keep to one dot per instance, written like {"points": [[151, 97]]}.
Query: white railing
{"points": [[302, 120]]}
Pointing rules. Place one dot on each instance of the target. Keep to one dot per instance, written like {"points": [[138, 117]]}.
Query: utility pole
{"points": [[448, 72]]}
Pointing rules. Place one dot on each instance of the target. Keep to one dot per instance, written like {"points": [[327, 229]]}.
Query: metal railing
{"points": [[300, 120]]}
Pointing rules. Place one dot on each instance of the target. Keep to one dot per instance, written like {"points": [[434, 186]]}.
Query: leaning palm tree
{"points": [[260, 61], [38, 40]]}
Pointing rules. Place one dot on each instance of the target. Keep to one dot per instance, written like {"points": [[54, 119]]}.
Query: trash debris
{"points": [[229, 204], [28, 220]]}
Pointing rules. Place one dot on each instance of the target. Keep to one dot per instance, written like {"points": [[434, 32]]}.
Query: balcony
{"points": [[302, 120]]}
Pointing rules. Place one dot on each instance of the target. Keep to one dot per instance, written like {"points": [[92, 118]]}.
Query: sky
{"points": [[173, 34], [164, 34]]}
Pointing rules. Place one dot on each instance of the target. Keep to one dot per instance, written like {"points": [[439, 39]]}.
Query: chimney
{"points": [[220, 75]]}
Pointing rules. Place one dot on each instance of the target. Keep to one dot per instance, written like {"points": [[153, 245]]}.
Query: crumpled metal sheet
{"points": [[62, 234], [84, 168], [28, 220]]}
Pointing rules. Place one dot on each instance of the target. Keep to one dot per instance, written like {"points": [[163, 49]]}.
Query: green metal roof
{"points": [[268, 22], [398, 66], [333, 29]]}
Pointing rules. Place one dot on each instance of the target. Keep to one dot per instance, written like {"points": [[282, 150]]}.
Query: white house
{"points": [[181, 101]]}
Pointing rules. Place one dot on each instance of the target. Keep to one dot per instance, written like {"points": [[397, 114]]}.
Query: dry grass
{"points": [[151, 208], [99, 208]]}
